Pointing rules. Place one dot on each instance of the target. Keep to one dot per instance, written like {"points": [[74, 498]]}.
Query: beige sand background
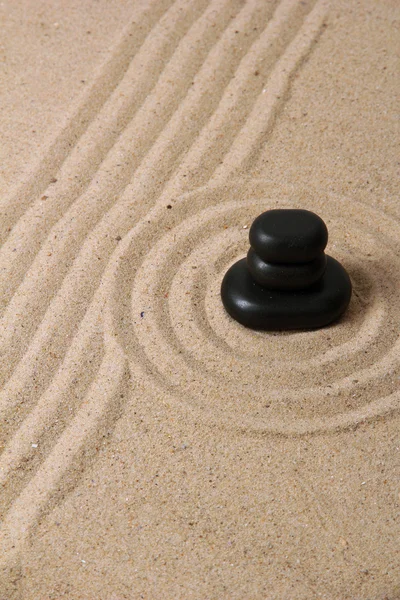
{"points": [[152, 447]]}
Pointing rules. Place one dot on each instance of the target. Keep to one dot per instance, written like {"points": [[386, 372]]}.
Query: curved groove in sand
{"points": [[100, 409], [194, 326], [55, 404], [208, 340], [159, 262]]}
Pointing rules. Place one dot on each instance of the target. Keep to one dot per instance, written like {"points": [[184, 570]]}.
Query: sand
{"points": [[152, 447]]}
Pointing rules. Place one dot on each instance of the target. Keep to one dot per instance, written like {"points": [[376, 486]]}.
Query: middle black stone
{"points": [[285, 276]]}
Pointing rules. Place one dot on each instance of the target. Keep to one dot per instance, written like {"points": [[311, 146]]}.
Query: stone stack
{"points": [[287, 281]]}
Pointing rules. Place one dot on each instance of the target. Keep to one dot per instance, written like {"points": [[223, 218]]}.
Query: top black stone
{"points": [[288, 235]]}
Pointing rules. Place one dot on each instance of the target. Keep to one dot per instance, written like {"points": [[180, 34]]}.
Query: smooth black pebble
{"points": [[283, 293], [288, 235]]}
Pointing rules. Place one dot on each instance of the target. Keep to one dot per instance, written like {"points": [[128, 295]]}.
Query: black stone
{"points": [[286, 281], [280, 276], [260, 308], [288, 236]]}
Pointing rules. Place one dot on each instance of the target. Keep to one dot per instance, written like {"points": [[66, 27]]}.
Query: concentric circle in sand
{"points": [[169, 318]]}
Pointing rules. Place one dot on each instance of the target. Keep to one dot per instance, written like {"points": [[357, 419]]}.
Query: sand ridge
{"points": [[201, 349], [124, 229]]}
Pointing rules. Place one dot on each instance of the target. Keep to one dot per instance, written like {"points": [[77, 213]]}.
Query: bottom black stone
{"points": [[261, 308]]}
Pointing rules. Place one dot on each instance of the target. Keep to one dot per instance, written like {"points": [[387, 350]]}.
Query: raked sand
{"points": [[151, 446]]}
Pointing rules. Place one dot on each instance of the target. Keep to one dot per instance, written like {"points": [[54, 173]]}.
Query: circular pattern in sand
{"points": [[168, 316]]}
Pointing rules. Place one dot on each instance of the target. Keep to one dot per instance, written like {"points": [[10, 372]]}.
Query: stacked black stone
{"points": [[287, 281]]}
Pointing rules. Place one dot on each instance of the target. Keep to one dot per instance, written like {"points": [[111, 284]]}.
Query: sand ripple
{"points": [[175, 328], [102, 282]]}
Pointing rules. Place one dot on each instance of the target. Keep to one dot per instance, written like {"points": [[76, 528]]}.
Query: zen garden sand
{"points": [[152, 447]]}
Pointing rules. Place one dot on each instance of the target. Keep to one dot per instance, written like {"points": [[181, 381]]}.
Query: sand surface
{"points": [[152, 447]]}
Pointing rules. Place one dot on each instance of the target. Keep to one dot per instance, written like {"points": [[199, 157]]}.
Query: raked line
{"points": [[107, 76], [260, 122]]}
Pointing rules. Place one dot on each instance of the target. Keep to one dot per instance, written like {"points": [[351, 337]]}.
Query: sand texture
{"points": [[151, 447]]}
